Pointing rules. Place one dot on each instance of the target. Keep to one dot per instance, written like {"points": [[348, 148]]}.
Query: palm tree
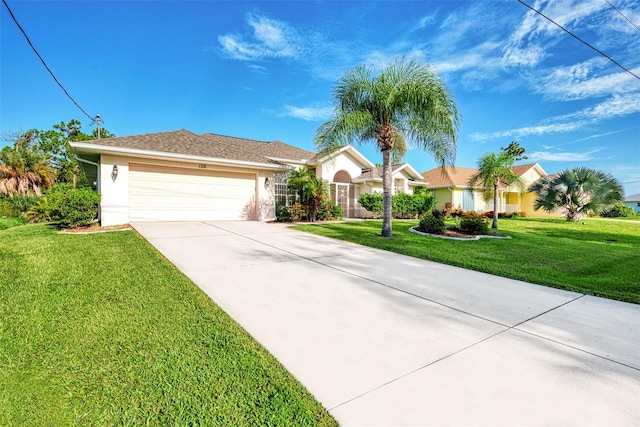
{"points": [[577, 192], [494, 169], [310, 190], [406, 103], [23, 170]]}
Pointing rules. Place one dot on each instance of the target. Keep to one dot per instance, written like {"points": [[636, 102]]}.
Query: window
{"points": [[281, 193]]}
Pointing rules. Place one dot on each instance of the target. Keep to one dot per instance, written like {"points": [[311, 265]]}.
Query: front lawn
{"points": [[8, 222], [100, 329], [596, 257]]}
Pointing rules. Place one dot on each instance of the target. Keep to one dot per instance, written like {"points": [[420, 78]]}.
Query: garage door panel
{"points": [[160, 193]]}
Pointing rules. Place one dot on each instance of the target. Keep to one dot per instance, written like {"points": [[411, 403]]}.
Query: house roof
{"points": [[632, 198], [184, 143], [273, 150], [449, 177], [459, 177]]}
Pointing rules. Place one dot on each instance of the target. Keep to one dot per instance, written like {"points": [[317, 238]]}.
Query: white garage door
{"points": [[160, 193]]}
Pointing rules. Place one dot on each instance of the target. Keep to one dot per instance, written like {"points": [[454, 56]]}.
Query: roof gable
{"points": [[347, 149]]}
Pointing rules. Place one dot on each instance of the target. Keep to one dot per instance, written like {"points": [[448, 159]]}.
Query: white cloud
{"points": [[562, 156], [585, 80], [270, 39], [425, 21], [616, 106], [259, 69], [542, 129], [311, 113]]}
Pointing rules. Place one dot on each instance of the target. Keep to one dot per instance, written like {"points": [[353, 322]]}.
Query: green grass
{"points": [[8, 222], [595, 257], [100, 329]]}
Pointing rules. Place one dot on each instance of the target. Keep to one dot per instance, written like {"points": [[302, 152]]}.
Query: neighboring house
{"points": [[633, 201], [450, 185], [183, 176]]}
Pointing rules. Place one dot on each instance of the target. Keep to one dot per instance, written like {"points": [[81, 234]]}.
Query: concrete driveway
{"points": [[386, 339]]}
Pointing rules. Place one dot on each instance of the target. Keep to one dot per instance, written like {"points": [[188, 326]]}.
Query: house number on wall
{"points": [[201, 166]]}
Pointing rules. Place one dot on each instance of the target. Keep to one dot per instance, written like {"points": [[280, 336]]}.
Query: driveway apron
{"points": [[385, 339]]}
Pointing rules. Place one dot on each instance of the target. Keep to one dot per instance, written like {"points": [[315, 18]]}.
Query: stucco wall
{"points": [[343, 161]]}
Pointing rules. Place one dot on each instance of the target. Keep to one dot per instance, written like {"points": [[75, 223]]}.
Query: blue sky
{"points": [[265, 70]]}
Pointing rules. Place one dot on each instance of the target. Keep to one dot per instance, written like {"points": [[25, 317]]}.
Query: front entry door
{"points": [[342, 198]]}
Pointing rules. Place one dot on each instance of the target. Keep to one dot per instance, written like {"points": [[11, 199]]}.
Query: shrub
{"points": [[618, 210], [372, 202], [432, 224], [298, 212], [283, 214], [474, 225], [439, 213], [401, 206], [72, 207], [456, 213], [337, 212], [17, 205], [328, 210], [447, 209]]}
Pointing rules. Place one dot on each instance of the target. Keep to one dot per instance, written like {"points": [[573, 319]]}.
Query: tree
{"points": [[24, 169], [54, 145], [516, 151], [310, 190], [577, 192], [494, 169], [406, 104]]}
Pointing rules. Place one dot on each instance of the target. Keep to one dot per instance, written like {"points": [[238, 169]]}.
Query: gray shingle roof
{"points": [[207, 145]]}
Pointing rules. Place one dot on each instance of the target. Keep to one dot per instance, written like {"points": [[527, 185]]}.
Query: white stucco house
{"points": [[183, 176]]}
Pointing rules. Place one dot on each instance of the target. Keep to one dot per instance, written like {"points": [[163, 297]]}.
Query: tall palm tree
{"points": [[406, 104], [577, 192], [494, 169]]}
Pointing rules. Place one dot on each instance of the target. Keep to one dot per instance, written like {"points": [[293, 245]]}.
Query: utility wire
{"points": [[43, 62], [578, 38], [622, 14]]}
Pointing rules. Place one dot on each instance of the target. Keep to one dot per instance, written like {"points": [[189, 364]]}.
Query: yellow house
{"points": [[450, 185]]}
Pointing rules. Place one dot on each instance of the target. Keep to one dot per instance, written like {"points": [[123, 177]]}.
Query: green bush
{"points": [[72, 207], [337, 212], [299, 212], [432, 224], [17, 205], [474, 225], [328, 211], [618, 209], [403, 205], [372, 202], [283, 214]]}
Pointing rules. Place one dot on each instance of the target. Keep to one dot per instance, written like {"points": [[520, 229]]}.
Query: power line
{"points": [[622, 14], [43, 62], [577, 38]]}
